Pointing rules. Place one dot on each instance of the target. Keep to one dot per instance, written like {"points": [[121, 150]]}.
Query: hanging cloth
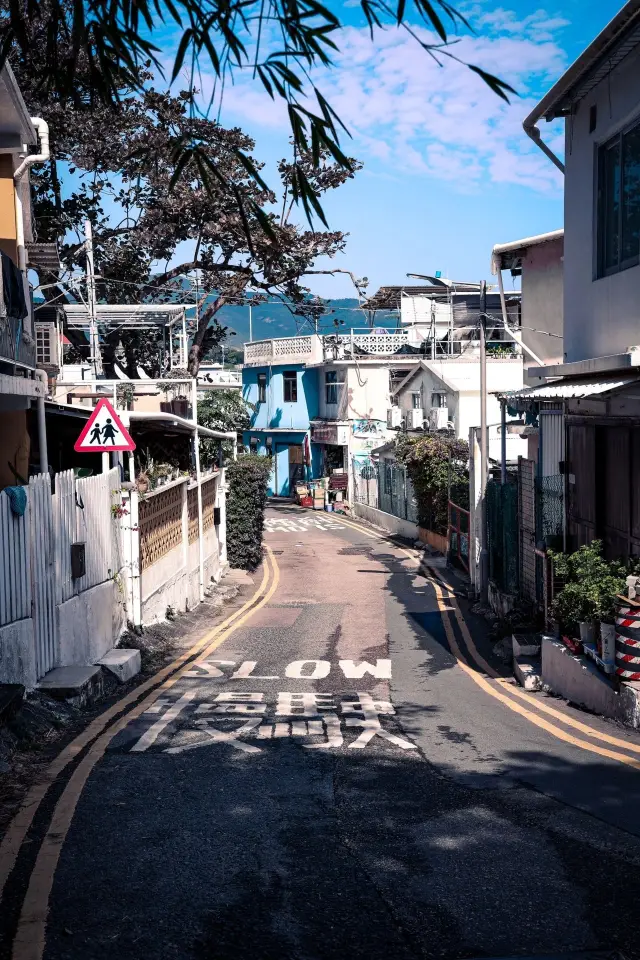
{"points": [[17, 500]]}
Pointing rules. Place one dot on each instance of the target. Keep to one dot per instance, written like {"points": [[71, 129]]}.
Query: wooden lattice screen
{"points": [[160, 524], [208, 503], [192, 506]]}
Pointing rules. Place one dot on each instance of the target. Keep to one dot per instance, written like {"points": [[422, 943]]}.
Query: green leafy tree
{"points": [[222, 410], [436, 465], [92, 50]]}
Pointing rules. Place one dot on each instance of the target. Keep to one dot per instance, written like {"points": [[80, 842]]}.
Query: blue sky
{"points": [[448, 170]]}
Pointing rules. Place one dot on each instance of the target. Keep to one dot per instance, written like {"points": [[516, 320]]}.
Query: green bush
{"points": [[248, 478], [592, 586], [437, 467]]}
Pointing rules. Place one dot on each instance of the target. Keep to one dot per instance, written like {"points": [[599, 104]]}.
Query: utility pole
{"points": [[484, 556], [250, 322], [95, 356]]}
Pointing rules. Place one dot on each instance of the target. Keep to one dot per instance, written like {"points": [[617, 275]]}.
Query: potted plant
{"points": [[575, 609], [142, 482]]}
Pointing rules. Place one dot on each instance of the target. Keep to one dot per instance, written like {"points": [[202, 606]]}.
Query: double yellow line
{"points": [[509, 695], [29, 941]]}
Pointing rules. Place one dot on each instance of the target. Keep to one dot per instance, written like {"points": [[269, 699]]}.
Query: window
{"points": [[290, 386], [438, 399], [619, 203], [262, 388], [416, 401], [331, 386]]}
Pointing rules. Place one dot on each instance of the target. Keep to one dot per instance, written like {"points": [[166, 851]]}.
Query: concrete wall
{"points": [[18, 653], [90, 624], [579, 680], [174, 579], [600, 314], [543, 302], [386, 521]]}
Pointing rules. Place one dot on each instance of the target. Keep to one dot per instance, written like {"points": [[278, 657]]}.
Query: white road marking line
{"points": [[156, 729]]}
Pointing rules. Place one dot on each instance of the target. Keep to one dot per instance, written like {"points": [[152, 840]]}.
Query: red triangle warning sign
{"points": [[104, 430]]}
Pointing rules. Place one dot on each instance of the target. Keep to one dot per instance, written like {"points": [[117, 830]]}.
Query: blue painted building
{"points": [[285, 400]]}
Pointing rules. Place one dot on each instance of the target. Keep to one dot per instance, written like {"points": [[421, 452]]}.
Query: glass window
{"points": [[262, 388], [619, 202], [290, 386], [331, 386], [416, 401]]}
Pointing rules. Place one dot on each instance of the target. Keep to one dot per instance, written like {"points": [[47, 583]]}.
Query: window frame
{"points": [[262, 388], [290, 381], [331, 387], [601, 219]]}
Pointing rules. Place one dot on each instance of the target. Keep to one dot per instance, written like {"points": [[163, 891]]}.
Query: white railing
{"points": [[303, 349]]}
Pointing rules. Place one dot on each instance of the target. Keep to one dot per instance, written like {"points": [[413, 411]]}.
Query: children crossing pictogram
{"points": [[104, 430]]}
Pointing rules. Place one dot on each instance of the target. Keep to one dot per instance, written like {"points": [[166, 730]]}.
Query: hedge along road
{"points": [[335, 778]]}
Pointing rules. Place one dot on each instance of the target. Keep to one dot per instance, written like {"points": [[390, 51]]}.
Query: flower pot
{"points": [[587, 631]]}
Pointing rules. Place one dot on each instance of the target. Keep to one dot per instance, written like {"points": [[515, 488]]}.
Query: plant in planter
{"points": [[575, 604], [142, 482]]}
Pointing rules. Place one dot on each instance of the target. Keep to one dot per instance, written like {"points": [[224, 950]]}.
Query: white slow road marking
{"points": [[301, 524], [154, 731]]}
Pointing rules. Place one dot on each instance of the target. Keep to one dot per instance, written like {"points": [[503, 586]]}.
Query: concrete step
{"points": [[528, 672], [78, 684], [526, 644], [123, 663]]}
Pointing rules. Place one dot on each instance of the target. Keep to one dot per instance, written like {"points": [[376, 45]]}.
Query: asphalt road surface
{"points": [[343, 775]]}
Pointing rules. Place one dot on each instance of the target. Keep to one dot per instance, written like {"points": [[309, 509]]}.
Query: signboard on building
{"points": [[336, 434]]}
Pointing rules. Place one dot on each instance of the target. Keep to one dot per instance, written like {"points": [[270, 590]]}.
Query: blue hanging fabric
{"points": [[17, 500]]}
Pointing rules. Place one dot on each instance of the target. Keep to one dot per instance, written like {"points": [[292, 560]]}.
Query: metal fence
{"points": [[550, 509], [386, 486], [502, 534]]}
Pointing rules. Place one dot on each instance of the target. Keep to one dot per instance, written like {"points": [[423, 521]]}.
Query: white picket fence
{"points": [[35, 563], [83, 514]]}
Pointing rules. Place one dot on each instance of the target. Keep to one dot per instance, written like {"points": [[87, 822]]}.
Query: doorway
{"points": [[289, 468]]}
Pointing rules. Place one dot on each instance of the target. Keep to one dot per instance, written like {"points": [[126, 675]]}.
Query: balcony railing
{"points": [[304, 349], [16, 346]]}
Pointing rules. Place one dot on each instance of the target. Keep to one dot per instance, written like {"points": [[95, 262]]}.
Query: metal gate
{"points": [[43, 572], [527, 518]]}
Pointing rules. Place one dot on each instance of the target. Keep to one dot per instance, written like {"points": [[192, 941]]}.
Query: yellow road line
{"points": [[515, 707], [19, 826], [29, 942], [512, 690]]}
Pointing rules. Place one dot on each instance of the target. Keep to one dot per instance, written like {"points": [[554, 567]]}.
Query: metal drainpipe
{"points": [[532, 131], [42, 422]]}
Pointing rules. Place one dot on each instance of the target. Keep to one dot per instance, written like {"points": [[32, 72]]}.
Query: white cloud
{"points": [[409, 113]]}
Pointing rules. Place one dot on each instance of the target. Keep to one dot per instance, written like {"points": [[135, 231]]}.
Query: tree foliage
{"points": [[117, 165], [246, 501], [436, 465], [93, 50], [222, 410]]}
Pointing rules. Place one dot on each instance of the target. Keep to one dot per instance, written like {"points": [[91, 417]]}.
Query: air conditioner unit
{"points": [[415, 419], [47, 345], [394, 418], [438, 418]]}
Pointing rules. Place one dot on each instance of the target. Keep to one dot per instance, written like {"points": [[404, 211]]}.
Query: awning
{"points": [[574, 388]]}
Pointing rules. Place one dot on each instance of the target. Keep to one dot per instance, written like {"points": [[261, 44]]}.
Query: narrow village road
{"points": [[338, 777]]}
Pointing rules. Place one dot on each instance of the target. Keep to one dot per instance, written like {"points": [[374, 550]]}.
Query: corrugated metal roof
{"points": [[572, 389]]}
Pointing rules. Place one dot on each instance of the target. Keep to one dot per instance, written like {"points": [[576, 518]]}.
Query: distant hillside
{"points": [[274, 320]]}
